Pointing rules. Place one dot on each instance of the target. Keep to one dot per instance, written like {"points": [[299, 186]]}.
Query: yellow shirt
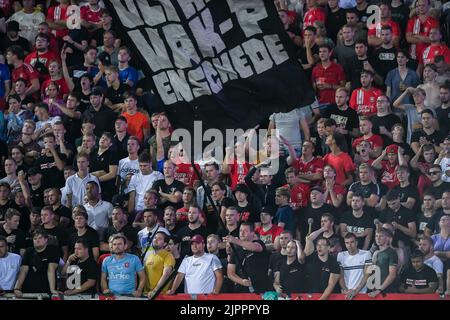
{"points": [[154, 266]]}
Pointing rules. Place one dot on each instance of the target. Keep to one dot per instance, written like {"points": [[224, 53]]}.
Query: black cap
{"points": [[242, 188], [33, 170], [317, 188], [268, 209], [12, 26], [97, 91], [104, 58]]}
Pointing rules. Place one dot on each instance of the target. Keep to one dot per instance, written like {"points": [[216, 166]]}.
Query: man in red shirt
{"points": [[138, 124], [339, 160], [388, 167], [313, 14], [268, 232], [299, 191], [436, 48], [418, 29], [235, 164], [364, 99], [374, 33], [91, 15], [57, 19], [309, 168], [14, 57], [41, 57], [327, 76], [376, 141]]}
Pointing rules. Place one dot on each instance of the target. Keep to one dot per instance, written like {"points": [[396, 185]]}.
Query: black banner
{"points": [[228, 63]]}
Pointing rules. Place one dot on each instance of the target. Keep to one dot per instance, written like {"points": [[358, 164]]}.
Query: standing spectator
{"points": [[443, 111], [316, 208], [202, 271], [322, 270], [309, 167], [38, 269], [428, 210], [428, 134], [359, 222], [13, 38], [253, 251], [363, 100], [15, 237], [418, 29], [408, 193], [138, 124], [169, 189], [345, 50], [299, 192], [15, 56], [128, 166], [76, 184], [158, 265], [269, 233], [386, 259], [99, 211], [385, 55], [91, 15], [146, 235], [384, 120], [365, 186], [9, 264], [127, 74], [114, 97], [115, 278], [194, 227], [51, 163], [440, 240], [335, 19], [284, 216], [120, 139], [119, 225], [40, 58], [375, 37], [103, 116], [436, 48], [431, 260], [313, 14], [247, 207], [354, 265], [333, 193], [161, 141], [357, 65], [339, 160], [444, 160], [400, 14], [57, 19], [28, 18], [433, 226], [327, 76], [309, 53], [63, 216], [290, 275], [326, 231], [141, 182], [418, 278], [57, 236], [375, 141], [84, 232], [82, 263]]}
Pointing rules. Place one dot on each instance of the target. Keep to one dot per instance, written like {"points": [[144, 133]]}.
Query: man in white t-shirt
{"points": [[444, 160], [202, 271], [129, 166], [354, 264], [431, 260], [9, 266], [141, 182], [151, 227], [29, 19]]}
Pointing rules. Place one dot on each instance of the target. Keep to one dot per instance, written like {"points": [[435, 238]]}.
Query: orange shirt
{"points": [[136, 124]]}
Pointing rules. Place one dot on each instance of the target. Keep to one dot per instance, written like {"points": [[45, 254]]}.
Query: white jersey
{"points": [[28, 23], [199, 273], [353, 267], [141, 183], [127, 166], [9, 269], [445, 166]]}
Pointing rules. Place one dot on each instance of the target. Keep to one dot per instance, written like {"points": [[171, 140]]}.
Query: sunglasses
{"points": [[432, 173]]}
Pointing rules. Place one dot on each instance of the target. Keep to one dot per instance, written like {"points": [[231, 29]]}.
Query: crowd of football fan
{"points": [[96, 198]]}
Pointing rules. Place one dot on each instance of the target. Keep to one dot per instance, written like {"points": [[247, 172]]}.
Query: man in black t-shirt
{"points": [[51, 164], [81, 264], [315, 209], [427, 134], [169, 189], [119, 225], [57, 236], [38, 270], [402, 219], [418, 278], [290, 273], [409, 194], [322, 270], [5, 201], [10, 230], [185, 234], [250, 255], [370, 191]]}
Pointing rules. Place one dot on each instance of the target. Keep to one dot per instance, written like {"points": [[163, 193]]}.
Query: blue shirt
{"points": [[129, 73], [4, 76], [286, 215], [122, 273], [393, 80]]}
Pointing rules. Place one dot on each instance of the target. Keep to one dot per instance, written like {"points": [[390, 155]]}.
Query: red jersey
{"points": [[90, 15], [435, 50], [333, 75], [313, 15], [26, 72], [299, 196], [417, 27], [388, 176], [375, 141], [58, 13], [364, 101], [338, 189], [315, 165], [238, 171], [342, 163], [268, 237], [375, 29], [186, 173], [63, 87], [44, 58]]}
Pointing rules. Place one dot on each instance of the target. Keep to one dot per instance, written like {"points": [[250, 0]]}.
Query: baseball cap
{"points": [[268, 209], [33, 170], [242, 188], [198, 239], [392, 148], [12, 26], [97, 91], [317, 188], [104, 58]]}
